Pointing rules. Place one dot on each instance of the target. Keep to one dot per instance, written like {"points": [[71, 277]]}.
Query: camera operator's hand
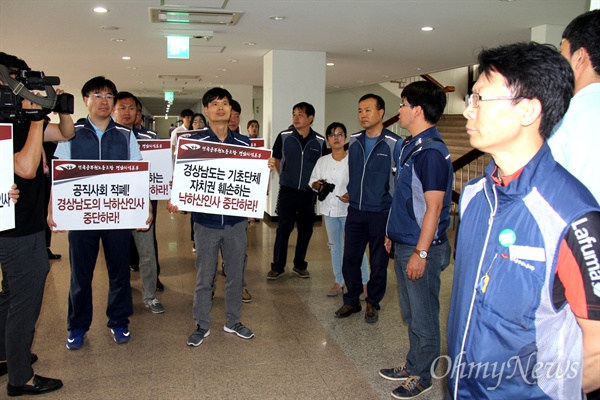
{"points": [[62, 131], [26, 104]]}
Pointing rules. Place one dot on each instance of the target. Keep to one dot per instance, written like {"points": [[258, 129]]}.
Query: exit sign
{"points": [[178, 47]]}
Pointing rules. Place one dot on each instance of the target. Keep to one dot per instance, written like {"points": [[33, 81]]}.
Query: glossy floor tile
{"points": [[300, 350]]}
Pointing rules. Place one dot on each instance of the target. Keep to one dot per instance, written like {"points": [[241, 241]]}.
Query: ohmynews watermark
{"points": [[527, 368]]}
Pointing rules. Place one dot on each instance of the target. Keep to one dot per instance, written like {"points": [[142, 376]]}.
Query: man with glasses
{"points": [[125, 113], [525, 293], [370, 187], [99, 138], [417, 225]]}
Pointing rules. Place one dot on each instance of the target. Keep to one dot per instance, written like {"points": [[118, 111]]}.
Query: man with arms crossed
{"points": [[523, 299]]}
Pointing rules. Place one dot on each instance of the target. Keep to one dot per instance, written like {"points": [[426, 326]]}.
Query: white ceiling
{"points": [[66, 38]]}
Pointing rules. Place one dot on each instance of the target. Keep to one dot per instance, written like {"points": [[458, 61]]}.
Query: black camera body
{"points": [[325, 189], [14, 90]]}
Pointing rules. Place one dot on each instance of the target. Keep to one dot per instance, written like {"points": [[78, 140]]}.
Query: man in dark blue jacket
{"points": [[295, 154], [214, 232], [370, 161], [419, 218]]}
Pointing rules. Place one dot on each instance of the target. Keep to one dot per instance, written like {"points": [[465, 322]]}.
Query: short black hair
{"points": [[584, 31], [533, 71], [127, 95], [306, 107], [186, 112], [251, 122], [215, 93], [430, 97], [235, 106], [331, 128], [202, 117], [13, 63], [378, 99], [97, 84]]}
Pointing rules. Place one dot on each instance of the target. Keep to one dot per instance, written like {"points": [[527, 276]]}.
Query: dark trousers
{"points": [[24, 269], [362, 228], [83, 248], [293, 206], [134, 257]]}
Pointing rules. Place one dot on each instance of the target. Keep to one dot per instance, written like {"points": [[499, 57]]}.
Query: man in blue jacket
{"points": [[295, 154], [214, 232], [99, 138], [419, 218], [524, 316], [370, 187]]}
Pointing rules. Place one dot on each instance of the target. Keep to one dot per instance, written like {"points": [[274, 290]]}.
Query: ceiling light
{"points": [[330, 64], [117, 40], [276, 17], [232, 60], [126, 58], [184, 15], [249, 44], [100, 10], [427, 28], [223, 69], [368, 50], [110, 28]]}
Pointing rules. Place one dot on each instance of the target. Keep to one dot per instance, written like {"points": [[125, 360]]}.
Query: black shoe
{"points": [[345, 311], [159, 285], [4, 368], [302, 273], [273, 274], [52, 256], [40, 385], [371, 315]]}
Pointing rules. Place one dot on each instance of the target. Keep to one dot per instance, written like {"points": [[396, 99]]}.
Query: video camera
{"points": [[15, 89]]}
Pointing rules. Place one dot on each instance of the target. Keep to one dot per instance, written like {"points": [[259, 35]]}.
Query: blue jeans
{"points": [[335, 241], [420, 306]]}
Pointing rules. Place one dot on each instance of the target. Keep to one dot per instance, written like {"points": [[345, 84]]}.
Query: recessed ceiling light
{"points": [[368, 50], [276, 17], [418, 69], [223, 69], [100, 10], [110, 28], [427, 28], [126, 58], [330, 64], [249, 44], [232, 60], [360, 81], [117, 40]]}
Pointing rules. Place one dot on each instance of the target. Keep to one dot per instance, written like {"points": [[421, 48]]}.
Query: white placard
{"points": [[218, 178], [158, 153], [7, 177], [93, 194]]}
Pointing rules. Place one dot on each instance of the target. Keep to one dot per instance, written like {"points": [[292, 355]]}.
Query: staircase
{"points": [[453, 131]]}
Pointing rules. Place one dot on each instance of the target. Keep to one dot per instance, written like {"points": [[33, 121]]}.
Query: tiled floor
{"points": [[300, 350]]}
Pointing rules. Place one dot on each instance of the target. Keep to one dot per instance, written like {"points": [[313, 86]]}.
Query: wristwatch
{"points": [[421, 253]]}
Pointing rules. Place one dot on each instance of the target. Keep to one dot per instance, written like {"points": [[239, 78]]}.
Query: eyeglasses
{"points": [[474, 99], [406, 105], [336, 134], [98, 96]]}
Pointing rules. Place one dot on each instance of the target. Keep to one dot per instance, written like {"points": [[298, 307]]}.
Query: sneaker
{"points": [[75, 339], [302, 273], [196, 338], [246, 296], [154, 305], [121, 334], [411, 388], [239, 330], [274, 274], [395, 374]]}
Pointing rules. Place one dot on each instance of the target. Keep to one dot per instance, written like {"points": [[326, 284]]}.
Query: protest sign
{"points": [[92, 194], [257, 142], [158, 153], [7, 207], [218, 178]]}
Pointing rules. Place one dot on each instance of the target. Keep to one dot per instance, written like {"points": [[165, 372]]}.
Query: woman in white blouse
{"points": [[333, 168]]}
